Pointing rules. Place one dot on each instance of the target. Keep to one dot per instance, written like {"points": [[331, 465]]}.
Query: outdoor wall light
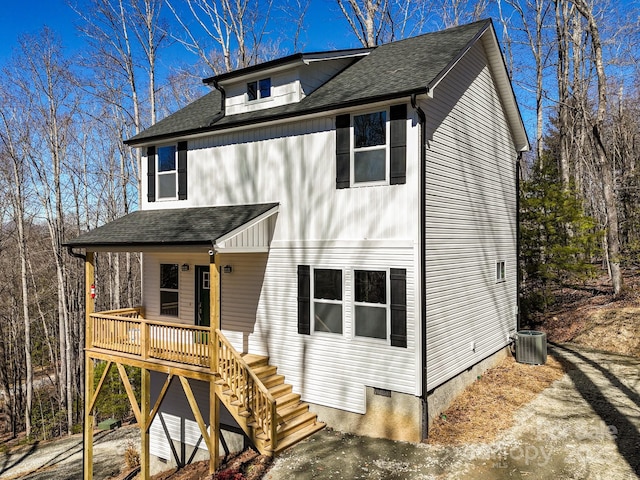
{"points": [[185, 267], [227, 269]]}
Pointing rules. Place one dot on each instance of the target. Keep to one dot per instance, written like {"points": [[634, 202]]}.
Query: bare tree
{"points": [[44, 81], [605, 168], [229, 34], [14, 136]]}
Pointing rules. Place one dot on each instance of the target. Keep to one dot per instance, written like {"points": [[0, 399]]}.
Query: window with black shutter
{"points": [[167, 172], [371, 148]]}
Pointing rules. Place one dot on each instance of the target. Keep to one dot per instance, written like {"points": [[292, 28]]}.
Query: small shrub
{"points": [[131, 456]]}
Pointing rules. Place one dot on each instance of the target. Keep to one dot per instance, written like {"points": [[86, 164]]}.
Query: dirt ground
{"points": [[587, 315]]}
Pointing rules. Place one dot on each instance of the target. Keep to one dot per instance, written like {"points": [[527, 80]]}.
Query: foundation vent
{"points": [[531, 347]]}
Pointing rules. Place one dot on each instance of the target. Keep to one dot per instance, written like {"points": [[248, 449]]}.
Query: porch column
{"points": [[89, 276], [214, 402]]}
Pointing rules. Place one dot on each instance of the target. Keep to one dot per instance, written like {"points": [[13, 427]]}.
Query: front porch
{"points": [[263, 405]]}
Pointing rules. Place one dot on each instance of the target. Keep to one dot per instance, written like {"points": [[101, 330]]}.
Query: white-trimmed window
{"points": [[500, 271], [167, 172], [259, 89], [371, 303], [370, 152], [327, 300], [169, 289]]}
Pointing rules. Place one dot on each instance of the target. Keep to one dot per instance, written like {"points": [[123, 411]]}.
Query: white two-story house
{"points": [[327, 238]]}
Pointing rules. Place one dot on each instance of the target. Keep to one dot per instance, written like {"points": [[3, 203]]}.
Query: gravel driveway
{"points": [[585, 426], [62, 459]]}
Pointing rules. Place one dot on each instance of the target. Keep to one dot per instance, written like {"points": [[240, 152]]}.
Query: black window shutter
{"points": [[398, 307], [343, 151], [398, 114], [304, 300], [182, 170], [151, 174]]}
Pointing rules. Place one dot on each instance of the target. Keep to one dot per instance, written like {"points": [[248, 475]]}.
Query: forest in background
{"points": [[64, 168]]}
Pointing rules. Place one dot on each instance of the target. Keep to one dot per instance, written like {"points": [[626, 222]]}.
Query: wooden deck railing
{"points": [[126, 331], [247, 388]]}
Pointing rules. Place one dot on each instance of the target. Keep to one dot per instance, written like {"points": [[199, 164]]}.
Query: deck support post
{"points": [[214, 402], [145, 402], [89, 276]]}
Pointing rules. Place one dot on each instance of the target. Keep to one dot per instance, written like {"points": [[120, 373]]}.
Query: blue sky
{"points": [[20, 16], [326, 29]]}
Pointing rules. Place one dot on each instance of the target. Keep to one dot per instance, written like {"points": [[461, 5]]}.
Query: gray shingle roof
{"points": [[394, 70], [179, 226]]}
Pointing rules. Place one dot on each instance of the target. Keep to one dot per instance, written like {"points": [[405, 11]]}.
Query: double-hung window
{"points": [[371, 302], [370, 152], [327, 300], [376, 303], [259, 89], [169, 289], [167, 172]]}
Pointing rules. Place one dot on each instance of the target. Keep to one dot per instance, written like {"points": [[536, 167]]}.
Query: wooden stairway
{"points": [[257, 393]]}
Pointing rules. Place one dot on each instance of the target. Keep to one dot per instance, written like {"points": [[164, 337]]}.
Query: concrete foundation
{"points": [[398, 416], [392, 415], [439, 399]]}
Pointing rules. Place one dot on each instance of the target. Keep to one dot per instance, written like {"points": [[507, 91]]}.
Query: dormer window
{"points": [[259, 89]]}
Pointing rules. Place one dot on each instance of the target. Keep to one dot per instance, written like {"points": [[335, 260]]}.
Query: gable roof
{"points": [[201, 226], [395, 70]]}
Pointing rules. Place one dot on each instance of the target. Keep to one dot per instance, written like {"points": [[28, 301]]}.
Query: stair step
{"points": [[265, 371], [296, 423], [298, 436], [289, 428], [273, 380], [290, 411], [280, 390], [255, 360], [287, 400]]}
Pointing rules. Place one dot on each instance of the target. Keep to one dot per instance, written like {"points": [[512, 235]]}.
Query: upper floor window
{"points": [[167, 172], [259, 89], [370, 147]]}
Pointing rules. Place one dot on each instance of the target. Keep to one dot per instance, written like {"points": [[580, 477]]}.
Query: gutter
{"points": [[223, 100], [422, 246], [213, 126], [75, 254]]}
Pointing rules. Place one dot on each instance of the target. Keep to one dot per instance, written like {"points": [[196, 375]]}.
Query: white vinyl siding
{"points": [[179, 418], [294, 165], [471, 221], [333, 370], [259, 315]]}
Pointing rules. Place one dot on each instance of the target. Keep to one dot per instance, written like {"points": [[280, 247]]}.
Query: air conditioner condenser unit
{"points": [[531, 347]]}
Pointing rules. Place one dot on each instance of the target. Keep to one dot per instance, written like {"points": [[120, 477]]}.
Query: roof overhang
{"points": [[231, 229], [283, 63]]}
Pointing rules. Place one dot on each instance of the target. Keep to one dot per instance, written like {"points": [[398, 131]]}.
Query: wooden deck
{"points": [[271, 415]]}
